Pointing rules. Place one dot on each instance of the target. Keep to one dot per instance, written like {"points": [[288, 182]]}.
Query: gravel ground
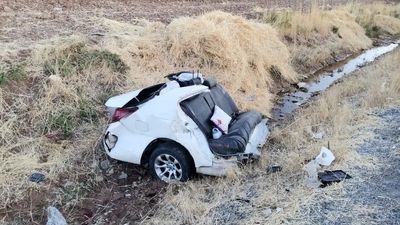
{"points": [[373, 195]]}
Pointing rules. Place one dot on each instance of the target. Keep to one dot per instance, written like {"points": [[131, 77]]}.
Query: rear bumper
{"points": [[220, 167], [258, 139]]}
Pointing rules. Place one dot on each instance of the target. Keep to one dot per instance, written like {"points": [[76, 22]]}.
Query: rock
{"points": [[58, 9], [7, 9], [318, 136], [251, 98], [110, 172], [128, 195], [54, 217], [98, 178], [274, 169], [105, 164], [340, 70], [302, 85], [303, 89], [267, 212], [279, 210], [123, 176], [55, 79], [68, 184]]}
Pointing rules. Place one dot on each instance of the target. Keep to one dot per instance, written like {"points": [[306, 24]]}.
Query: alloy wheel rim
{"points": [[168, 168]]}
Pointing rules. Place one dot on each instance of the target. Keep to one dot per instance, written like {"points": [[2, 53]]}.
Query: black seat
{"points": [[238, 136], [222, 98], [201, 108]]}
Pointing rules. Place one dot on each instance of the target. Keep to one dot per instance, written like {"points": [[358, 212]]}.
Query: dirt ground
{"points": [[23, 24]]}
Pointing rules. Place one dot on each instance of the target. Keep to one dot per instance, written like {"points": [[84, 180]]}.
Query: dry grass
{"points": [[53, 114], [377, 18], [331, 34], [339, 113], [241, 54]]}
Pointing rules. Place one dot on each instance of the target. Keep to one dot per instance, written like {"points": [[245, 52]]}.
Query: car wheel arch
{"points": [[159, 141]]}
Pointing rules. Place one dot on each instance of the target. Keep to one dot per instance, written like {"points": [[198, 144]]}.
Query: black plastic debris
{"points": [[36, 177], [328, 177], [274, 169]]}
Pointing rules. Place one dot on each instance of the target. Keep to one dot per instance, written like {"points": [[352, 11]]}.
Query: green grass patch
{"points": [[373, 31], [64, 122], [15, 72], [78, 57]]}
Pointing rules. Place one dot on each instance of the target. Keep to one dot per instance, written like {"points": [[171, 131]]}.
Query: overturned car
{"points": [[183, 126]]}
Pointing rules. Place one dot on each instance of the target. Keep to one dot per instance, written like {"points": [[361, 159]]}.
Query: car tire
{"points": [[171, 163]]}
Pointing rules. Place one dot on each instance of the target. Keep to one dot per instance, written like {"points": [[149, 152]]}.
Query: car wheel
{"points": [[170, 163]]}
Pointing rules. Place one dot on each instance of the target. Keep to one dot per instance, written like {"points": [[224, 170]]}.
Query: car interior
{"points": [[200, 108]]}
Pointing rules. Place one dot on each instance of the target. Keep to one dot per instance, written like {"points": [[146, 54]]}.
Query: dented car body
{"points": [[167, 127]]}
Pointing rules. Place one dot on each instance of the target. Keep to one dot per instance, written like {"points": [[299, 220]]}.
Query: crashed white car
{"points": [[183, 126]]}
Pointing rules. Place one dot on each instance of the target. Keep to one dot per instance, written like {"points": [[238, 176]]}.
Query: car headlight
{"points": [[110, 140]]}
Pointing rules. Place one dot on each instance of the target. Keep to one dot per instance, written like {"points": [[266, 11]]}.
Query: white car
{"points": [[167, 127]]}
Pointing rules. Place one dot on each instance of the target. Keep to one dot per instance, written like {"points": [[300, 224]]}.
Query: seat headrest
{"points": [[210, 83]]}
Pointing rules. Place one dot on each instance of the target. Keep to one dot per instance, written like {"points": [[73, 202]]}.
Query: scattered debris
{"points": [[325, 157], [274, 169], [312, 174], [36, 177], [123, 175], [54, 217], [328, 177]]}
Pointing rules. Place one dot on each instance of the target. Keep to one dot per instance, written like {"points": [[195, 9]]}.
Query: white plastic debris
{"points": [[312, 174], [54, 217], [325, 157]]}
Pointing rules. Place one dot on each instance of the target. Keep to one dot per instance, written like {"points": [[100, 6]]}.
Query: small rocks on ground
{"points": [[54, 217], [123, 176], [105, 164], [267, 212]]}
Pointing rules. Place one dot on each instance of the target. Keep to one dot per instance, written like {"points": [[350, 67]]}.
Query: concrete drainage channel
{"points": [[306, 90]]}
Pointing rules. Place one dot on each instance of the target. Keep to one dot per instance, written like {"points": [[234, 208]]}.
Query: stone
{"points": [[267, 212], [123, 176], [54, 217], [105, 164]]}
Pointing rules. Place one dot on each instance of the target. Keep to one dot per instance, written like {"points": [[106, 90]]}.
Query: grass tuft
{"points": [[78, 57], [15, 72]]}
